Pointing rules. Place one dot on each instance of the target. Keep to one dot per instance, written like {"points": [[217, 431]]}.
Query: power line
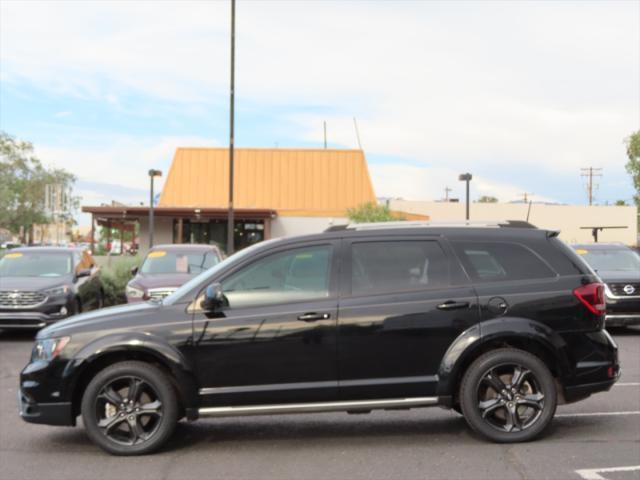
{"points": [[590, 173]]}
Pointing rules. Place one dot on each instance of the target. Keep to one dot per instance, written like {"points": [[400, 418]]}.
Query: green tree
{"points": [[23, 181], [487, 199], [633, 165], [371, 212], [620, 203]]}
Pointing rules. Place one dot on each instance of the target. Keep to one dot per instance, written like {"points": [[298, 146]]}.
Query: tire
{"points": [[140, 426], [77, 306], [518, 412]]}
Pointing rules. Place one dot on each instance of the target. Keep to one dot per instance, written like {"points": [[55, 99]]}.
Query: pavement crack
{"points": [[512, 458]]}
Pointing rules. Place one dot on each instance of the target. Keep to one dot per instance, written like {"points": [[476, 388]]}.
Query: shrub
{"points": [[115, 278]]}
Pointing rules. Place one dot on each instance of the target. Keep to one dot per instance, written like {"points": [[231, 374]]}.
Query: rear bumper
{"points": [[622, 319]]}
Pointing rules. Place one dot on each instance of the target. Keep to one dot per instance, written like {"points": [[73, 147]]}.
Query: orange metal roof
{"points": [[294, 182]]}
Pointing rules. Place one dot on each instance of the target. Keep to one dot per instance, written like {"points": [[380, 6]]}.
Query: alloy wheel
{"points": [[510, 398], [128, 410]]}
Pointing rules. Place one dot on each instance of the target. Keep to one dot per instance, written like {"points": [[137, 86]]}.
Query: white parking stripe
{"points": [[627, 384], [594, 473], [597, 414]]}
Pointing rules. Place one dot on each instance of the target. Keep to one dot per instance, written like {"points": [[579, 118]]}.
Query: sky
{"points": [[521, 94]]}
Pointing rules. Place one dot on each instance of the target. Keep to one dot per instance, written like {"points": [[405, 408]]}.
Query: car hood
{"points": [[120, 316], [32, 284], [618, 276], [166, 280]]}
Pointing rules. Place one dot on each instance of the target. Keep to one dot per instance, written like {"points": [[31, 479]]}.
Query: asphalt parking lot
{"points": [[594, 439]]}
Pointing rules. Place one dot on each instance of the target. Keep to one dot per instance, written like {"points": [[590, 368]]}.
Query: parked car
{"points": [[167, 267], [501, 324], [619, 268], [42, 285]]}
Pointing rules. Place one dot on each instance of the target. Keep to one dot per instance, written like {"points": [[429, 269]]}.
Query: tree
{"points": [[23, 181], [620, 203], [487, 199], [371, 212], [633, 165]]}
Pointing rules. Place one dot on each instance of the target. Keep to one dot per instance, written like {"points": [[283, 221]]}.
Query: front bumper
{"points": [[37, 318], [60, 413]]}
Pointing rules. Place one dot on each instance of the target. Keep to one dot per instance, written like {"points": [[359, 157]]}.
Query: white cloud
{"points": [[62, 114], [547, 84], [422, 183]]}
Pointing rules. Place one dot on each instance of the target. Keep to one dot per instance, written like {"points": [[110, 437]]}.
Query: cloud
{"points": [[62, 114], [478, 86]]}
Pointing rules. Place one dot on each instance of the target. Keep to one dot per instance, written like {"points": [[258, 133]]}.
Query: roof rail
{"points": [[432, 224]]}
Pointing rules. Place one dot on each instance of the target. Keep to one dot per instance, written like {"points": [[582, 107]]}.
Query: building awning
{"points": [[124, 213]]}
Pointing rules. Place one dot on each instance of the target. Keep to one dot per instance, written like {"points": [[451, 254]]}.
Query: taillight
{"points": [[592, 297]]}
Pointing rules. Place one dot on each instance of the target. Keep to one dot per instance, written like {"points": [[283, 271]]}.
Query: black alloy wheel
{"points": [[508, 395], [130, 408]]}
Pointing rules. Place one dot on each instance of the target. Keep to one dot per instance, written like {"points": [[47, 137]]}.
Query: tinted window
{"points": [[393, 266], [32, 264], [161, 261], [617, 259], [293, 276], [493, 262]]}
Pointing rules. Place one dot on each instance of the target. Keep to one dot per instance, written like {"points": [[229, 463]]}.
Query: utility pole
{"points": [[525, 196], [447, 191], [589, 173], [230, 217], [325, 134], [466, 177], [355, 124]]}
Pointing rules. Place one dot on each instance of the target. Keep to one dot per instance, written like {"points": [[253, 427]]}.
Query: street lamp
{"points": [[230, 214], [466, 177], [152, 174]]}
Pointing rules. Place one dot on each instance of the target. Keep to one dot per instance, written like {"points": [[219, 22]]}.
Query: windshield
{"points": [[35, 264], [193, 263], [202, 279], [611, 260]]}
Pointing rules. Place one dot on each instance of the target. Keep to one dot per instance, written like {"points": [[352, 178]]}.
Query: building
{"points": [[575, 222], [277, 192]]}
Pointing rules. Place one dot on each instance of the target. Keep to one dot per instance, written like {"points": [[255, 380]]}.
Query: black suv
{"points": [[501, 324], [42, 285], [618, 267]]}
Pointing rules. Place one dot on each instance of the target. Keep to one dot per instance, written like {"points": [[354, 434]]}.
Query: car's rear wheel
{"points": [[508, 395], [130, 408]]}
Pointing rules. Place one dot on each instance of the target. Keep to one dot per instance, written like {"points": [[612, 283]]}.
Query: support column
{"points": [[93, 235], [179, 234]]}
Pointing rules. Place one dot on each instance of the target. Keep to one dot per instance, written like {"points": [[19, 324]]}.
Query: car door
{"points": [[275, 342], [404, 301]]}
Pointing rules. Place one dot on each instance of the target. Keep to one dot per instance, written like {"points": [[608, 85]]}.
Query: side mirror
{"points": [[214, 298], [134, 271], [85, 272]]}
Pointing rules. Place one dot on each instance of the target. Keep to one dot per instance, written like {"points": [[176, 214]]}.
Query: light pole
{"points": [[466, 177], [230, 217], [152, 174]]}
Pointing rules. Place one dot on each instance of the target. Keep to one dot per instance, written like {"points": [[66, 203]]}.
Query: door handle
{"points": [[451, 305], [312, 317]]}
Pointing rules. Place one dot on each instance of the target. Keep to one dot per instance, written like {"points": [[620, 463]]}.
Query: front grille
{"points": [[618, 289], [14, 299], [160, 293]]}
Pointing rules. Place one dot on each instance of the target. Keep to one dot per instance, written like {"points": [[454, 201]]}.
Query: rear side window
{"points": [[397, 266], [501, 261]]}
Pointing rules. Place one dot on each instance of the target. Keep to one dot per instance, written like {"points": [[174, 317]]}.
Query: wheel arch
{"points": [[523, 334], [107, 351]]}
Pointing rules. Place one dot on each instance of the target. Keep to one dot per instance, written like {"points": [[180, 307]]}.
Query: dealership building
{"points": [[277, 192]]}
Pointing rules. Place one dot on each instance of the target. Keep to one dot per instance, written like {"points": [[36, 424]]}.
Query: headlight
{"points": [[134, 292], [57, 291], [49, 348]]}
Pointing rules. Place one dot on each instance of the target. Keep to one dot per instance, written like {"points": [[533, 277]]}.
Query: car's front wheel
{"points": [[130, 408], [508, 395]]}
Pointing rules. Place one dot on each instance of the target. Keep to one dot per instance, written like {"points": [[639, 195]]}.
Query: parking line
{"points": [[594, 473], [597, 414], [627, 384]]}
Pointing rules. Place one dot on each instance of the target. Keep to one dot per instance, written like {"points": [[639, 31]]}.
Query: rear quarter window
{"points": [[502, 261]]}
